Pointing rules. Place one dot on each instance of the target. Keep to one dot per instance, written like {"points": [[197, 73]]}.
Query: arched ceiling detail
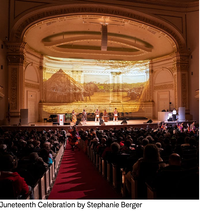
{"points": [[75, 32]]}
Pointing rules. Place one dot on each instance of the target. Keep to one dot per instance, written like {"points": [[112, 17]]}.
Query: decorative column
{"points": [[1, 93], [42, 71], [149, 78], [16, 86], [115, 80], [182, 66]]}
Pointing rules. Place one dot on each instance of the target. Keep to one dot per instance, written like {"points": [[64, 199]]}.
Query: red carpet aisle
{"points": [[79, 179]]}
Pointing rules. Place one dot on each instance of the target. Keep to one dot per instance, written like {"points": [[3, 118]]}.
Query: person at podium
{"points": [[174, 114]]}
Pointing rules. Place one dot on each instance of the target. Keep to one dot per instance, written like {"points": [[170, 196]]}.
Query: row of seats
{"points": [[110, 171], [116, 176], [45, 183]]}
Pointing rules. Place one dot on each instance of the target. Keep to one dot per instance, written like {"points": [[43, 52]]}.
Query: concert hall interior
{"points": [[99, 64]]}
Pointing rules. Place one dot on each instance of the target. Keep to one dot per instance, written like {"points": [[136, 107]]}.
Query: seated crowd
{"points": [[24, 158], [165, 158]]}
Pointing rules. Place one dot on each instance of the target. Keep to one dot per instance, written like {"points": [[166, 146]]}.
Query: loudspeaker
{"points": [[24, 116], [181, 114], [124, 122], [149, 121]]}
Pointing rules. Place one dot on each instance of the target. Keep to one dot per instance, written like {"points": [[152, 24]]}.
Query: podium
{"points": [[61, 119], [163, 116]]}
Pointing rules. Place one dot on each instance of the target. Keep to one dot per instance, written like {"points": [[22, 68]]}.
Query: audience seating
{"points": [[117, 176], [51, 170], [6, 190], [122, 182], [134, 188], [36, 191], [94, 157], [109, 172], [151, 192], [104, 167], [100, 164], [97, 161], [47, 180], [114, 174], [43, 186], [88, 151]]}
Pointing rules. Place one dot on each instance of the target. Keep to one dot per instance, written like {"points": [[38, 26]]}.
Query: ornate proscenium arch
{"points": [[33, 17], [26, 21]]}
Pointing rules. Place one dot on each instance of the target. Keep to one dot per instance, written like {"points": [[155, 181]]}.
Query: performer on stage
{"points": [[97, 115], [115, 113], [84, 116], [74, 118], [105, 116]]}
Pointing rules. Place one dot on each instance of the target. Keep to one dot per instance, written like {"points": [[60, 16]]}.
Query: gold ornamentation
{"points": [[33, 86], [15, 53], [15, 47], [15, 59], [182, 62], [172, 69], [93, 9], [163, 86], [13, 90]]}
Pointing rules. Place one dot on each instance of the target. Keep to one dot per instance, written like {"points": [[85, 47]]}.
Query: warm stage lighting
{"points": [[74, 83]]}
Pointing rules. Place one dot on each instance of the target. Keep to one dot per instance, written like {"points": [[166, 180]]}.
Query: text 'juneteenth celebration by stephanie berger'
{"points": [[65, 204]]}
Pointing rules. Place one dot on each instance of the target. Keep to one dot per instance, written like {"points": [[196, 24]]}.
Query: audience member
{"points": [[20, 188]]}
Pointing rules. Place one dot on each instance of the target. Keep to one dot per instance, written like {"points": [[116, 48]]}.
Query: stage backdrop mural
{"points": [[91, 84]]}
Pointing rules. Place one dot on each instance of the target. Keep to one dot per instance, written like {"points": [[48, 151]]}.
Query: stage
{"points": [[88, 124], [92, 124]]}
